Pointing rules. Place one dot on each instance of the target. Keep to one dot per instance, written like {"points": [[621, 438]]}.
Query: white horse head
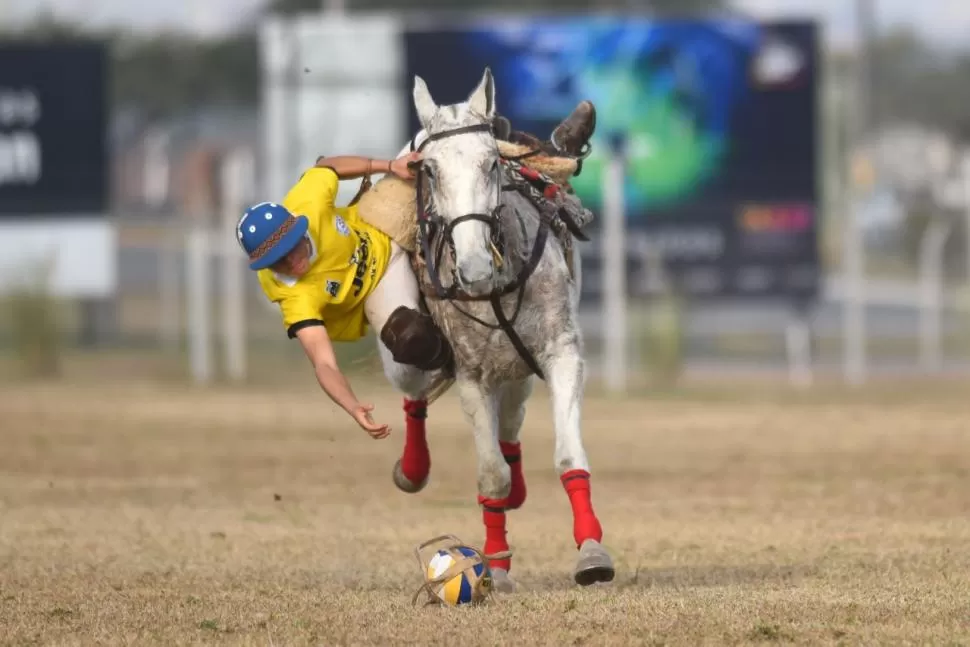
{"points": [[464, 177]]}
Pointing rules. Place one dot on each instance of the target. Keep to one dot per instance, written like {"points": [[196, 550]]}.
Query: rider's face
{"points": [[297, 262]]}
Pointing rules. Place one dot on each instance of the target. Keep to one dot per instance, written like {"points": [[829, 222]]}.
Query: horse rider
{"points": [[334, 275]]}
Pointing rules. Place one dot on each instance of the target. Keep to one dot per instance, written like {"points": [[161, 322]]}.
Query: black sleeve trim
{"points": [[300, 325]]}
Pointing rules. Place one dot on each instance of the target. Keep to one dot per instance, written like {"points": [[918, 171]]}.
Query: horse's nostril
{"points": [[478, 274]]}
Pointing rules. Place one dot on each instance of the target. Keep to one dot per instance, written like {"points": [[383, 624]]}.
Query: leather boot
{"points": [[415, 340]]}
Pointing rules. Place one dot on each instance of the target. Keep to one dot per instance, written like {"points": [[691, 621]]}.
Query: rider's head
{"points": [[273, 237]]}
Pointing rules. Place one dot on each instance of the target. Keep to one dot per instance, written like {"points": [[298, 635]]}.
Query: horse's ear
{"points": [[482, 98], [423, 103]]}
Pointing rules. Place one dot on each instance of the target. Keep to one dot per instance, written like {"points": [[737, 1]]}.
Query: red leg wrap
{"points": [[416, 459], [513, 456], [585, 524], [493, 514]]}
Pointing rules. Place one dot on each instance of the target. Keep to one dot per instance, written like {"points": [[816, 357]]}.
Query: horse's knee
{"points": [[495, 480], [409, 380]]}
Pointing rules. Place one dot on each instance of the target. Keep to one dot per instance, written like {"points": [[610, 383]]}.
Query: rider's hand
{"points": [[361, 414], [401, 166]]}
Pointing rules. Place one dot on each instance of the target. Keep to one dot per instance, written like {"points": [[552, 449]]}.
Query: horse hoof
{"points": [[502, 582], [594, 565], [404, 484]]}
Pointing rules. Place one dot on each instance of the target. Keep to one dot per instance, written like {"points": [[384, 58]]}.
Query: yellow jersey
{"points": [[347, 260]]}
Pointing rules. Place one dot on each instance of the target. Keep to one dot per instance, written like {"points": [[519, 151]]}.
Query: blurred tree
{"points": [[289, 7], [914, 82], [195, 73], [166, 73]]}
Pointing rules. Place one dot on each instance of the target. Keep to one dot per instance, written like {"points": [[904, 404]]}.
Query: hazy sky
{"points": [[205, 16], [946, 21]]}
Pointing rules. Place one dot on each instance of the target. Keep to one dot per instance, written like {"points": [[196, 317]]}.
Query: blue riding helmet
{"points": [[268, 231]]}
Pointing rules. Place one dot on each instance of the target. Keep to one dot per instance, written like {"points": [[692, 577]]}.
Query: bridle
{"points": [[430, 224]]}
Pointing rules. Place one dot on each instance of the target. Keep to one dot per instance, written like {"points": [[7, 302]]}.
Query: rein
{"points": [[453, 292]]}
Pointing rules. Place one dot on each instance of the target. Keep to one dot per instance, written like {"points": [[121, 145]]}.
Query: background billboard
{"points": [[54, 169], [53, 128], [717, 120]]}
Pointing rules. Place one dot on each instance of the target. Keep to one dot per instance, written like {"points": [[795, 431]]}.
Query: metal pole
{"points": [[156, 171], [798, 342], [854, 302], [931, 293], [296, 95], [237, 175], [155, 187], [853, 298], [965, 173], [614, 274], [866, 24], [168, 278], [197, 280]]}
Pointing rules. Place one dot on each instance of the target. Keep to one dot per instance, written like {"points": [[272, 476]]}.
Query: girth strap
{"points": [[514, 336]]}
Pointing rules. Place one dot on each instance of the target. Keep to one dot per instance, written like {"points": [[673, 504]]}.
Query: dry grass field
{"points": [[141, 514]]}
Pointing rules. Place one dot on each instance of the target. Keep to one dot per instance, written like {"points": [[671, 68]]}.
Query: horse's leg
{"points": [[565, 374], [412, 470], [510, 417], [494, 477], [399, 287]]}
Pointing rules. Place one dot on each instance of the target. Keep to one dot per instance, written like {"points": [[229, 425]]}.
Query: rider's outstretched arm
{"points": [[319, 350]]}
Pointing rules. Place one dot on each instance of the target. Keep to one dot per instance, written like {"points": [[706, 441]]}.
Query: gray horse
{"points": [[482, 240]]}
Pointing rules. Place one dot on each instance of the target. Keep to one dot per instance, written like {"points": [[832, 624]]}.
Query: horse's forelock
{"points": [[450, 117]]}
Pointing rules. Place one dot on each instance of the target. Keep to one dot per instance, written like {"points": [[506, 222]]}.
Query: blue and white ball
{"points": [[467, 587]]}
